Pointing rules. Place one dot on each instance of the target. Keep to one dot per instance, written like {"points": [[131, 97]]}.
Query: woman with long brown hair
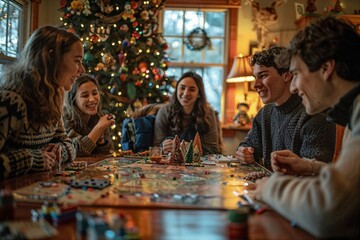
{"points": [[187, 113]]}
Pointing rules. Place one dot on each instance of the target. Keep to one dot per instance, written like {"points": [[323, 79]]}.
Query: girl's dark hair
{"points": [[202, 123], [74, 118]]}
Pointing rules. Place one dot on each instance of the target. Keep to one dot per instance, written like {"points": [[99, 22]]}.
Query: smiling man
{"points": [[283, 123], [326, 67]]}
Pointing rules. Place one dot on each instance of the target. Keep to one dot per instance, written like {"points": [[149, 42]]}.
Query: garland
{"points": [[197, 39]]}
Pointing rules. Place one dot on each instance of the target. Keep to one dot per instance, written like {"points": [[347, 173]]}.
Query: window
{"points": [[12, 17], [179, 25]]}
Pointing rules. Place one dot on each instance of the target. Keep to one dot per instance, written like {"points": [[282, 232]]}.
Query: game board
{"points": [[134, 182], [155, 185]]}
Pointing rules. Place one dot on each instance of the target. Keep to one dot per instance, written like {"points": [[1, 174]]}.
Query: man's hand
{"points": [[287, 162]]}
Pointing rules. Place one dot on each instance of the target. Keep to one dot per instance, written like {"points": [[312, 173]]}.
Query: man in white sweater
{"points": [[326, 68]]}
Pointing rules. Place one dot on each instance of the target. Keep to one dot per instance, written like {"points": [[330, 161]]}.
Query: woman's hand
{"points": [[245, 155], [105, 121], [167, 145], [52, 156]]}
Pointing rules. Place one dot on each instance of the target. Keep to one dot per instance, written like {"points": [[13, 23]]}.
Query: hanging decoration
{"points": [[197, 39]]}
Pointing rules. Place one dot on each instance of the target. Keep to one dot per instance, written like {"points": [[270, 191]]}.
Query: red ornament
{"points": [[136, 71], [135, 24], [143, 67], [123, 77], [138, 83], [157, 77], [134, 5], [94, 38], [62, 3], [155, 70]]}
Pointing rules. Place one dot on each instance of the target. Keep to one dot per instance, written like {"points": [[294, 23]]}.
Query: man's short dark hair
{"points": [[268, 58]]}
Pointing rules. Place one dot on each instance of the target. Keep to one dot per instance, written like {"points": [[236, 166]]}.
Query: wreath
{"points": [[197, 39]]}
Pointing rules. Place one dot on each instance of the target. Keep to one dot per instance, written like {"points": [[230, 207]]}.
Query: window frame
{"points": [[23, 28]]}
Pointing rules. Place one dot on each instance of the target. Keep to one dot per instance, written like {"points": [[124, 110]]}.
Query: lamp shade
{"points": [[241, 71]]}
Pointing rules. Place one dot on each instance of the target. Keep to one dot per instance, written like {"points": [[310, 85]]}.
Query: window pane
{"points": [[216, 53], [192, 56], [173, 22], [174, 71], [10, 27], [174, 51], [193, 20], [215, 24], [213, 77]]}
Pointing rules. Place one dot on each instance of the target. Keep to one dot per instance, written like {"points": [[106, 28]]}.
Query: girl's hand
{"points": [[245, 155], [167, 145]]}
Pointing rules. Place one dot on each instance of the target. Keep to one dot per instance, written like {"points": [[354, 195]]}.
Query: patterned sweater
{"points": [[21, 143], [83, 144], [289, 127]]}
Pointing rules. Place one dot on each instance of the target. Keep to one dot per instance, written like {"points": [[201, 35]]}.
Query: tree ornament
{"points": [[123, 77], [197, 39], [94, 38], [124, 28], [129, 111], [137, 104], [142, 67], [77, 5], [128, 12], [106, 58]]}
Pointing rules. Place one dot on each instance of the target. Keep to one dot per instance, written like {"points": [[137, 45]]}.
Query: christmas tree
{"points": [[124, 50]]}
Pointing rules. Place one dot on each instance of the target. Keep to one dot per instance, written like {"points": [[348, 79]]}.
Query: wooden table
{"points": [[167, 223]]}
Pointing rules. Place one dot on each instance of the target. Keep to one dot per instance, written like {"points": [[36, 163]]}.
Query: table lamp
{"points": [[241, 71]]}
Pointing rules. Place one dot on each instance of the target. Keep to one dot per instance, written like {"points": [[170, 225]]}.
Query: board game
{"points": [[138, 182]]}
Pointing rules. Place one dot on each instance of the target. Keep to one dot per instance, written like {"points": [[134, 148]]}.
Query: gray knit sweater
{"points": [[289, 127], [21, 142]]}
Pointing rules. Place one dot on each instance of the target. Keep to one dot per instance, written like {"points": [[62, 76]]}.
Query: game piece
{"points": [[197, 143], [189, 154], [176, 157], [94, 183], [76, 165]]}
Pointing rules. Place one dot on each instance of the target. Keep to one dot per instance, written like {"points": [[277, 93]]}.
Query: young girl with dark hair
{"points": [[84, 122]]}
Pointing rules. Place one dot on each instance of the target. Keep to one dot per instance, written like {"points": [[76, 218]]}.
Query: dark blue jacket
{"points": [[137, 134]]}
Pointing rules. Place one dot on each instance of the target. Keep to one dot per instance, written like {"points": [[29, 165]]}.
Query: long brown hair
{"points": [[202, 124], [73, 116], [35, 74]]}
